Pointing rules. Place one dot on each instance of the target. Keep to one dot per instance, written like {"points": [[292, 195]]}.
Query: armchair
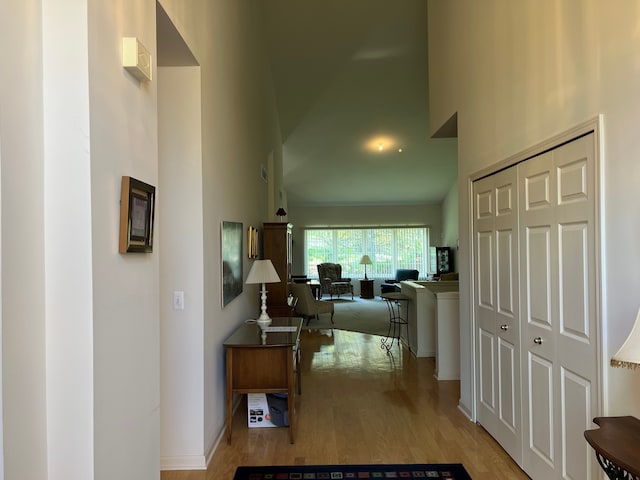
{"points": [[401, 275], [306, 305], [331, 280]]}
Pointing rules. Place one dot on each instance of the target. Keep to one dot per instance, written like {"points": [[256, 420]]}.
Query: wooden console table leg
{"points": [[297, 365], [291, 397], [229, 393]]}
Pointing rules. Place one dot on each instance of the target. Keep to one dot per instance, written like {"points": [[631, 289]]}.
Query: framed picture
{"points": [[137, 208], [252, 242], [231, 261]]}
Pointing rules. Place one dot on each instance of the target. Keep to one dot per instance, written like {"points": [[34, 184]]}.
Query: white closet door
{"points": [[558, 295], [496, 309]]}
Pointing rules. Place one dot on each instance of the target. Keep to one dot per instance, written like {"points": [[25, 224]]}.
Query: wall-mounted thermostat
{"points": [[136, 59]]}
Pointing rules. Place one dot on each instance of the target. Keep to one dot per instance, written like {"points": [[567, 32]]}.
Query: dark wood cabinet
{"points": [[276, 246], [366, 288]]}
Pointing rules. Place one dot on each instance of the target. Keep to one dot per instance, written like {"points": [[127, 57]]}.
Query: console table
{"points": [[269, 367], [617, 444]]}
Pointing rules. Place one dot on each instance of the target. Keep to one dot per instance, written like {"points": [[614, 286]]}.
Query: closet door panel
{"points": [[487, 384], [574, 320], [507, 362], [541, 415], [539, 298], [576, 411], [484, 272], [576, 355], [505, 246], [538, 275], [485, 301], [557, 226], [497, 308], [508, 328]]}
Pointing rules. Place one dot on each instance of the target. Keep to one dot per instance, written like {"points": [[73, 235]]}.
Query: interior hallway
{"points": [[359, 405]]}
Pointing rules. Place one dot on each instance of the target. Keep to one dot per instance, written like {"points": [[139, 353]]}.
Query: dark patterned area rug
{"points": [[443, 471]]}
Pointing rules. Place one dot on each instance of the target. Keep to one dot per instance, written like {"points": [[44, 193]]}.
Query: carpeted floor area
{"points": [[452, 471], [357, 315]]}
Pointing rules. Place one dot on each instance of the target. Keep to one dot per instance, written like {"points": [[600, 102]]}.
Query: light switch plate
{"points": [[178, 300]]}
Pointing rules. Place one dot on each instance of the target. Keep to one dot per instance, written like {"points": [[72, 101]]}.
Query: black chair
{"points": [[401, 274]]}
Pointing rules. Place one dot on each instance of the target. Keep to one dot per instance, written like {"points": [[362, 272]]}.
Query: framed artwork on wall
{"points": [[252, 242], [137, 209], [231, 245]]}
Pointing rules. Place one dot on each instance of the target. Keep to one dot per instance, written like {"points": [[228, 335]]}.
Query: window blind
{"points": [[389, 248]]}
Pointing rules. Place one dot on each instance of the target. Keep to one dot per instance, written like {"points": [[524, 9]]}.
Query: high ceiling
{"points": [[349, 76]]}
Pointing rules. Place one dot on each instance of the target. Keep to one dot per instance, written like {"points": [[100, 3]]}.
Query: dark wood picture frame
{"points": [[137, 209], [252, 242]]}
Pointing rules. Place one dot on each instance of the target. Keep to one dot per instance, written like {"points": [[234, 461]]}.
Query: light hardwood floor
{"points": [[359, 405]]}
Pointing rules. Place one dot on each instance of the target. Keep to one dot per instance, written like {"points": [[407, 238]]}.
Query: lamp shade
{"points": [[629, 354], [365, 260], [263, 271]]}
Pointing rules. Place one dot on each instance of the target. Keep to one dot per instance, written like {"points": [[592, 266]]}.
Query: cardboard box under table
{"points": [[267, 410]]}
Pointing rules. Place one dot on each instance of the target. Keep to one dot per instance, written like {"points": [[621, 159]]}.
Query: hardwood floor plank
{"points": [[360, 405]]}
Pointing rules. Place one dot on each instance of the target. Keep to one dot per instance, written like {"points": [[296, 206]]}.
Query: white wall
{"points": [[181, 267], [1, 406], [123, 141], [239, 135], [518, 73], [81, 345], [68, 242], [23, 328]]}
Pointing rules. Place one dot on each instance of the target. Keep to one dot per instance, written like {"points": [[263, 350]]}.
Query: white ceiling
{"points": [[349, 75]]}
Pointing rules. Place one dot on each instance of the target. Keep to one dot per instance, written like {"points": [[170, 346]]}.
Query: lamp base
{"points": [[263, 321]]}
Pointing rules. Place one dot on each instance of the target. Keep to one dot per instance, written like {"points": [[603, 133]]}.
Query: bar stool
{"points": [[396, 320]]}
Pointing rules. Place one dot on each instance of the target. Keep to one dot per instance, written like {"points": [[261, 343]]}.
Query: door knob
{"points": [[537, 340], [504, 327]]}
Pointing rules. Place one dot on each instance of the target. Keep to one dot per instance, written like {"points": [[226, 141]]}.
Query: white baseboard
{"points": [[425, 353], [465, 411], [214, 445], [183, 462]]}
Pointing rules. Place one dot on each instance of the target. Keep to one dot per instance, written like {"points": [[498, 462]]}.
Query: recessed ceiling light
{"points": [[380, 144], [400, 150]]}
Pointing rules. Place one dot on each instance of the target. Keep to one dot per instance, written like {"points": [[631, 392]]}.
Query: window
{"points": [[389, 248]]}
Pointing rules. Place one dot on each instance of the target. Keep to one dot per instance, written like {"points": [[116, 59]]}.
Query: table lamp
{"points": [[629, 354], [365, 260], [263, 271], [281, 213]]}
